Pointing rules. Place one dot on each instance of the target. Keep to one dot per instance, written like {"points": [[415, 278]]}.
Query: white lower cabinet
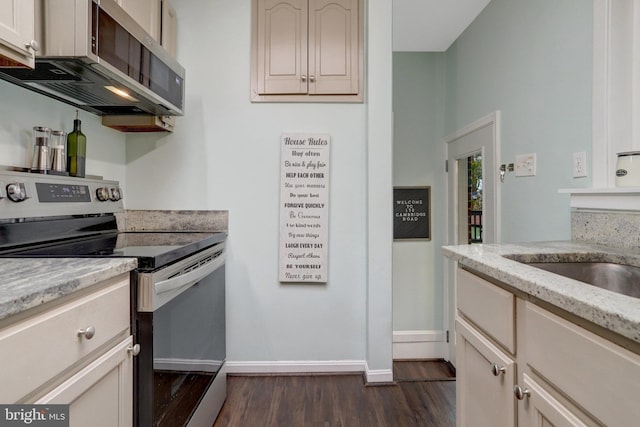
{"points": [[542, 409], [101, 394], [485, 397], [75, 351], [556, 374]]}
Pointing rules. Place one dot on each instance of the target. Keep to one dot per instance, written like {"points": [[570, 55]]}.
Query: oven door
{"points": [[182, 342]]}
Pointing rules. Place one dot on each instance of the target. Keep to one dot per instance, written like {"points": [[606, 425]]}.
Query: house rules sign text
{"points": [[304, 208]]}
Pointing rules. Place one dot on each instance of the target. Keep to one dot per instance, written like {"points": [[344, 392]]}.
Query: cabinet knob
{"points": [[497, 370], [312, 79], [303, 78], [33, 45], [519, 393], [87, 333], [134, 350]]}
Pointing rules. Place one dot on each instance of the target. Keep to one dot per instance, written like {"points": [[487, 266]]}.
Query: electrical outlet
{"points": [[526, 165], [580, 164]]}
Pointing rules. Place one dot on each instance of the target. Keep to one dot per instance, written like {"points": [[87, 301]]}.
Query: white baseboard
{"points": [[378, 376], [294, 367], [310, 367], [420, 345]]}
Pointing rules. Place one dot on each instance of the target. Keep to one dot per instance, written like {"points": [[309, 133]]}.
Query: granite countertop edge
{"points": [[27, 283], [612, 311]]}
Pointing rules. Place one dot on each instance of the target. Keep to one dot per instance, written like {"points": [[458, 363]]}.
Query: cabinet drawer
{"points": [[37, 349], [591, 371], [488, 307]]}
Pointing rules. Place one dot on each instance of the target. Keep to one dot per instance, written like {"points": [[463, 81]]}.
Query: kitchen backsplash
{"points": [[619, 229], [155, 220]]}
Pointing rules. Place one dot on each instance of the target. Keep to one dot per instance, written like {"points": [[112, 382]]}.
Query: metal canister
{"points": [[628, 169], [41, 161]]}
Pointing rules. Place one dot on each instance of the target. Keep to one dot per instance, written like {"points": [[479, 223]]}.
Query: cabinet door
{"points": [[484, 397], [146, 13], [169, 28], [17, 30], [543, 410], [334, 47], [598, 375], [55, 332], [282, 46], [101, 394]]}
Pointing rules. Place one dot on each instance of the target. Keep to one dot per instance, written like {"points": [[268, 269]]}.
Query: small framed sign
{"points": [[412, 213]]}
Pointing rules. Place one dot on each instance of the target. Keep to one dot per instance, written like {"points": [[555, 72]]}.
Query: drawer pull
{"points": [[134, 350], [87, 333], [32, 45], [519, 393], [497, 370]]}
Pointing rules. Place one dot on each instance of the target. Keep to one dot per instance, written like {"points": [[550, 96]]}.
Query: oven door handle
{"points": [[189, 278]]}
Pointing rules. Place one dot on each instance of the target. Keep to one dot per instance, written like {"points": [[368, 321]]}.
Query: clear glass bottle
{"points": [[76, 150]]}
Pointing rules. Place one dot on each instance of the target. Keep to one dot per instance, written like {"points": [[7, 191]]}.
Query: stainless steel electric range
{"points": [[177, 291]]}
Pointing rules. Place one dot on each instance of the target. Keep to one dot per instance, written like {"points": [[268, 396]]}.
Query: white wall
{"points": [[21, 110], [225, 154]]}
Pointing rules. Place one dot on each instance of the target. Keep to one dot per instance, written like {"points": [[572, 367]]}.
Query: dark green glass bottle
{"points": [[76, 150]]}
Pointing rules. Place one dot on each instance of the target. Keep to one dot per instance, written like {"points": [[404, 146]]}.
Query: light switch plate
{"points": [[526, 165]]}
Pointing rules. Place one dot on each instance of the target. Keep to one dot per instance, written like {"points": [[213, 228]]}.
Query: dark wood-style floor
{"points": [[423, 395]]}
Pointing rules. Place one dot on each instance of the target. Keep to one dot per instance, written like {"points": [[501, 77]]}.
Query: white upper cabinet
{"points": [[157, 17], [169, 28], [146, 13], [307, 50], [17, 33]]}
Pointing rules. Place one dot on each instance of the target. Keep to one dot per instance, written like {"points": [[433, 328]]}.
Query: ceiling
{"points": [[431, 25]]}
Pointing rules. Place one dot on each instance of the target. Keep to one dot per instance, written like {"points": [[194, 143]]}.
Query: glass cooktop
{"points": [[152, 249]]}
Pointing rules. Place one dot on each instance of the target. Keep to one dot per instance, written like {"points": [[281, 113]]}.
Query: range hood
{"points": [[95, 57]]}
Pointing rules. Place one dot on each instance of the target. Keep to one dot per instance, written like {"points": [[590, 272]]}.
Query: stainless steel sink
{"points": [[623, 279]]}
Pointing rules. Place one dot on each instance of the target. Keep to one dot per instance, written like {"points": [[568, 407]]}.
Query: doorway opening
{"points": [[474, 198]]}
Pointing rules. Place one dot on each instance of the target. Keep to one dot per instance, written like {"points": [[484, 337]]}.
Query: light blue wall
{"points": [[418, 107], [532, 60], [22, 109], [225, 154]]}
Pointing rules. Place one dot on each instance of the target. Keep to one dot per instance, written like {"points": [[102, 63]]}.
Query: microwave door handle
{"points": [[189, 278]]}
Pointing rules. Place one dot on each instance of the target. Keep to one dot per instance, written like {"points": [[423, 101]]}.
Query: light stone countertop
{"points": [[612, 311], [29, 282]]}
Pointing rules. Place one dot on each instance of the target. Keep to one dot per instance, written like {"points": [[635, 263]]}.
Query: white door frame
{"points": [[459, 147]]}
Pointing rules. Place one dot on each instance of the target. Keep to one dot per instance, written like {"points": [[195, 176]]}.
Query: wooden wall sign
{"points": [[304, 208], [412, 213]]}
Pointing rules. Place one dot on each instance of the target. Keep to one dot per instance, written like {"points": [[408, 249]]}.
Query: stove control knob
{"points": [[102, 194], [115, 194], [16, 192]]}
